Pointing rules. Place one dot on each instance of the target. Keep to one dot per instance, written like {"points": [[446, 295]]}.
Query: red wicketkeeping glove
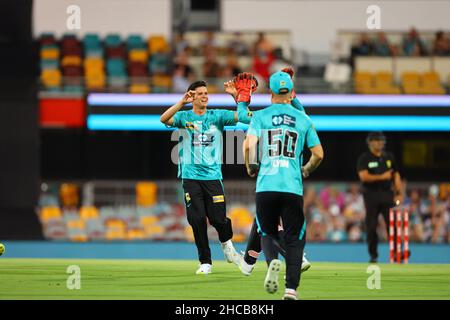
{"points": [[290, 71], [245, 84]]}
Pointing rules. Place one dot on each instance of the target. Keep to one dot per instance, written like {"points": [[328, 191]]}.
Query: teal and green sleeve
{"points": [[244, 114]]}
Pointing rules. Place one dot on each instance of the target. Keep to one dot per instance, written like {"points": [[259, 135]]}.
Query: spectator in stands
{"points": [[180, 44], [209, 45], [231, 67], [279, 61], [262, 44], [336, 232], [441, 45], [211, 68], [381, 46], [415, 208], [413, 45], [183, 74], [364, 46], [238, 46]]}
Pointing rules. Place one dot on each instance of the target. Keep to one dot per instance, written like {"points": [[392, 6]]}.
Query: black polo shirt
{"points": [[377, 165]]}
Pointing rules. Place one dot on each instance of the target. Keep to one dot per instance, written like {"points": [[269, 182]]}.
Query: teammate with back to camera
{"points": [[254, 248], [282, 131], [200, 158]]}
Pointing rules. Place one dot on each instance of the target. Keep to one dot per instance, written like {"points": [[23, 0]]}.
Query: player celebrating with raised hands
{"points": [[200, 160]]}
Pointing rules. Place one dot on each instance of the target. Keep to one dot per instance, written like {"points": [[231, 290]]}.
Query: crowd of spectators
{"points": [[336, 215], [412, 44], [264, 57]]}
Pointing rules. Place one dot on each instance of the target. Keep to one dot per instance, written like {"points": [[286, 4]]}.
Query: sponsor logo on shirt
{"points": [[202, 139], [389, 164], [373, 164], [217, 199], [283, 119]]}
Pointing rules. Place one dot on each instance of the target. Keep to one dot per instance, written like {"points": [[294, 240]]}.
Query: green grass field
{"points": [[176, 279]]}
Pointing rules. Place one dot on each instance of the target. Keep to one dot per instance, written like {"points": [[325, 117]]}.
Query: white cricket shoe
{"points": [[246, 268], [205, 268], [230, 253], [305, 264], [271, 281], [290, 294]]}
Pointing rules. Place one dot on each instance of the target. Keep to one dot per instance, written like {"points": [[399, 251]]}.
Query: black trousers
{"points": [[270, 207], [376, 203], [205, 199], [256, 242]]}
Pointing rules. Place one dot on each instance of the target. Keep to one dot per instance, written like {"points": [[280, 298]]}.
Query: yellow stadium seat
{"points": [[146, 194], [163, 81], [241, 217], [383, 79], [94, 64], [95, 80], [239, 237], [50, 53], [87, 213], [157, 44], [116, 234], [48, 213], [79, 238], [431, 79], [76, 224], [149, 220], [138, 55], [51, 77], [135, 234], [68, 193], [71, 61], [411, 83], [115, 224], [363, 82], [189, 234], [139, 88], [387, 89], [152, 230]]}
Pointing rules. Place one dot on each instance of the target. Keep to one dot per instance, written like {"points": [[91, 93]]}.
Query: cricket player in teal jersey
{"points": [[282, 132], [200, 161]]}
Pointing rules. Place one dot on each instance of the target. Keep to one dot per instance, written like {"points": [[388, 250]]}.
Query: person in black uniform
{"points": [[381, 181]]}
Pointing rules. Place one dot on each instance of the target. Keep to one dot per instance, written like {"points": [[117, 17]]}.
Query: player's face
{"points": [[377, 145], [201, 97]]}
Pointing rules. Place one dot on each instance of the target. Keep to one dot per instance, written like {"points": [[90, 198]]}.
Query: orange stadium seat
{"points": [[88, 213], [135, 234], [384, 84], [411, 82], [138, 55], [68, 193], [95, 80], [363, 82], [76, 224], [146, 194], [51, 77], [157, 44], [71, 61], [50, 213], [431, 84], [139, 88], [50, 53]]}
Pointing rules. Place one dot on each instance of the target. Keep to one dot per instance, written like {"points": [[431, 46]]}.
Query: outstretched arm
{"points": [[295, 102]]}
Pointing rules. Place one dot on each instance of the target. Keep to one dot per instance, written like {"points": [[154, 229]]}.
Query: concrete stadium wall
{"points": [[104, 16]]}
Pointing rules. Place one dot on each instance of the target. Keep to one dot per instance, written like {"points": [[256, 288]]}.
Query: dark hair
{"points": [[197, 84]]}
